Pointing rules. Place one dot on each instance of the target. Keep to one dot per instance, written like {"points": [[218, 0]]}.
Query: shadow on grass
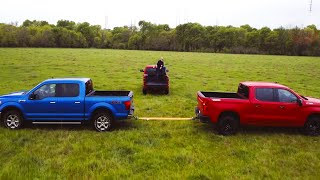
{"points": [[118, 125], [252, 130]]}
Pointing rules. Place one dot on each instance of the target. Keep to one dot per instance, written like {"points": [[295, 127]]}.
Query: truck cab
{"points": [[66, 101]]}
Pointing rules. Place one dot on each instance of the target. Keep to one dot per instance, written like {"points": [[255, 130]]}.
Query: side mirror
{"points": [[299, 102], [33, 96], [167, 70], [141, 70]]}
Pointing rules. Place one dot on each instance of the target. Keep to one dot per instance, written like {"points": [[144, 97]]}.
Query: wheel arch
{"points": [[316, 114], [9, 108], [232, 113], [101, 109]]}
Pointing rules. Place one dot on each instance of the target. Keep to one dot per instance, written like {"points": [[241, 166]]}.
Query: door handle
{"points": [[257, 105], [52, 102], [281, 107], [77, 102], [22, 100]]}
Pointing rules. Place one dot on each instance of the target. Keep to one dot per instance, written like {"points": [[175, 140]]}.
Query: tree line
{"points": [[148, 36]]}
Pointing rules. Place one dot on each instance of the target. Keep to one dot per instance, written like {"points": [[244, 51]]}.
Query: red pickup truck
{"points": [[259, 104], [153, 80]]}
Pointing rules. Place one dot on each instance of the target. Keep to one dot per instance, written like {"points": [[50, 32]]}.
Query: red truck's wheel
{"points": [[12, 119], [312, 126], [166, 91], [102, 121], [144, 91], [228, 124]]}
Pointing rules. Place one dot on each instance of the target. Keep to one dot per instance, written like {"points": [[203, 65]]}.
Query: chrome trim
{"points": [[56, 122]]}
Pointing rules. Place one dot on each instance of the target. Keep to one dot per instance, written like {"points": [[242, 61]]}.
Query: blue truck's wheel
{"points": [[102, 121], [312, 126], [12, 119]]}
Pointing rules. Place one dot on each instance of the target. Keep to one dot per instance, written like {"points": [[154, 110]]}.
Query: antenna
{"points": [[310, 7]]}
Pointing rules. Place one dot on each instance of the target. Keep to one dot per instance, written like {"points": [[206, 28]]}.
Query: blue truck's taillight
{"points": [[127, 104]]}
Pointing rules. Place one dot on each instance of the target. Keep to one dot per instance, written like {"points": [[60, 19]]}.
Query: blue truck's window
{"points": [[265, 94], [47, 90], [67, 90], [89, 87]]}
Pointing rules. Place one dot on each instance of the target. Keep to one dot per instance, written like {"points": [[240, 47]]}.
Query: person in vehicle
{"points": [[160, 67]]}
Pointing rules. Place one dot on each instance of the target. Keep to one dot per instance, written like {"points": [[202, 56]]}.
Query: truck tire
{"points": [[228, 124], [312, 126], [166, 91], [12, 119], [144, 91], [102, 121]]}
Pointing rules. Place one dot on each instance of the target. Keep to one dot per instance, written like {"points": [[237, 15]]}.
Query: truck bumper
{"points": [[202, 118], [156, 86], [130, 115]]}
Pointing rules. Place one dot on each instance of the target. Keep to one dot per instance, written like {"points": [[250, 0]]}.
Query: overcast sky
{"points": [[257, 13]]}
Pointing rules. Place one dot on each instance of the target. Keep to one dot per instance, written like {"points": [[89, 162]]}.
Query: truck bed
{"points": [[221, 95], [110, 93]]}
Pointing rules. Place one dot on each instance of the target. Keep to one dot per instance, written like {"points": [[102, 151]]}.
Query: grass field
{"points": [[157, 149]]}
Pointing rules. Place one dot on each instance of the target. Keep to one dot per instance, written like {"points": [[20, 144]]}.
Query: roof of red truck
{"points": [[262, 84]]}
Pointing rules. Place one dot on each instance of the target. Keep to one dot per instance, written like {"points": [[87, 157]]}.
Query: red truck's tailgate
{"points": [[202, 103]]}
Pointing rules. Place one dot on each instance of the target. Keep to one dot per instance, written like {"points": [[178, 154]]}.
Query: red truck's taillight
{"points": [[204, 107], [127, 104]]}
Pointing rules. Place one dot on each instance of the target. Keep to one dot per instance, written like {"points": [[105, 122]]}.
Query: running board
{"points": [[56, 122]]}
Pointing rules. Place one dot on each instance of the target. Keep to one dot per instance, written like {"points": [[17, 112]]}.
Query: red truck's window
{"points": [[286, 96], [243, 90], [265, 94]]}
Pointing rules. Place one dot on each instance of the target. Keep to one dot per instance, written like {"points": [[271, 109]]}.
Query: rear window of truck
{"points": [[151, 71], [243, 90], [89, 87]]}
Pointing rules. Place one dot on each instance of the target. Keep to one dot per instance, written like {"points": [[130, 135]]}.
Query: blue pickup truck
{"points": [[66, 101]]}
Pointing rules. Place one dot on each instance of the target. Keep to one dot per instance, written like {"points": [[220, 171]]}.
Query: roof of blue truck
{"points": [[67, 79]]}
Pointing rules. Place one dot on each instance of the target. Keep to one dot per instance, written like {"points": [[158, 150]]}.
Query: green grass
{"points": [[157, 149]]}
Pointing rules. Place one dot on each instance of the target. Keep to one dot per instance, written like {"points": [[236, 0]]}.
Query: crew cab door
{"points": [[264, 107], [70, 102], [288, 107], [41, 103]]}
